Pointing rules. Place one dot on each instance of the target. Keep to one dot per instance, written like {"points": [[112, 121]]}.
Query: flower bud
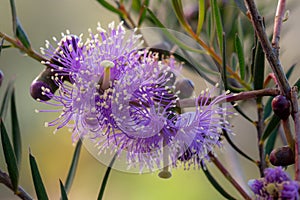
{"points": [[281, 107], [43, 83], [185, 88], [282, 156]]}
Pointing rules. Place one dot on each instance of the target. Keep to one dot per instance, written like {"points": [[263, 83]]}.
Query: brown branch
{"points": [[260, 130], [271, 56], [4, 178], [30, 52], [236, 97], [228, 176], [296, 117], [277, 25]]}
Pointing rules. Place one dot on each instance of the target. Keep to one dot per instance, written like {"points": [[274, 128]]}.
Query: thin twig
{"points": [[228, 176], [4, 178], [30, 52], [271, 56], [296, 117], [236, 97], [260, 130], [277, 25]]}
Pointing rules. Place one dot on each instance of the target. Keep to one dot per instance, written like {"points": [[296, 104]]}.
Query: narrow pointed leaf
{"points": [[271, 141], [201, 15], [19, 32], [218, 22], [105, 178], [241, 5], [237, 149], [214, 182], [15, 129], [177, 7], [143, 12], [240, 52], [259, 67], [22, 36], [171, 37], [268, 108], [290, 71], [63, 192], [110, 7], [73, 167], [4, 105], [10, 158], [224, 71], [37, 179], [270, 127]]}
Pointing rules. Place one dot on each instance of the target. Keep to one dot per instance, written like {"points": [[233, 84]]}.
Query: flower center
{"points": [[107, 64]]}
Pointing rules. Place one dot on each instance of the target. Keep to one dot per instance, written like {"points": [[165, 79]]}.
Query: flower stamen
{"points": [[107, 64]]}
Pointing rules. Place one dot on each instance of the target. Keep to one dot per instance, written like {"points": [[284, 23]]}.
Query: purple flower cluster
{"points": [[127, 100], [275, 185]]}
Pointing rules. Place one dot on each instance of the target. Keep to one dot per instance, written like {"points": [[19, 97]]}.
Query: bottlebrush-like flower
{"points": [[275, 185], [126, 100]]}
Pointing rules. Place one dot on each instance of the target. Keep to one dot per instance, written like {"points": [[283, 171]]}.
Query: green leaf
{"points": [[271, 141], [259, 67], [73, 167], [234, 61], [224, 71], [270, 127], [227, 137], [16, 134], [218, 22], [268, 108], [171, 37], [143, 12], [10, 158], [240, 52], [105, 178], [241, 5], [111, 8], [63, 193], [17, 27], [201, 15], [37, 180], [177, 7], [214, 182], [22, 36], [290, 71], [4, 105]]}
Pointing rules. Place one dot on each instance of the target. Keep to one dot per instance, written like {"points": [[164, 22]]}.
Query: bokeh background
{"points": [[43, 19]]}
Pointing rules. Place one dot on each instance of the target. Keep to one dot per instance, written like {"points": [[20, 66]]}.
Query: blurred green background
{"points": [[43, 19]]}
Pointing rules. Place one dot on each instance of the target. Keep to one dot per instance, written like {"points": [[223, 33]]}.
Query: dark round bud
{"points": [[42, 84], [39, 90], [185, 88], [281, 106], [1, 77], [282, 156]]}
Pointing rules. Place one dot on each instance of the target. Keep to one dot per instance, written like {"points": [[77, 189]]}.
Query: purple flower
{"points": [[275, 185], [127, 101]]}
